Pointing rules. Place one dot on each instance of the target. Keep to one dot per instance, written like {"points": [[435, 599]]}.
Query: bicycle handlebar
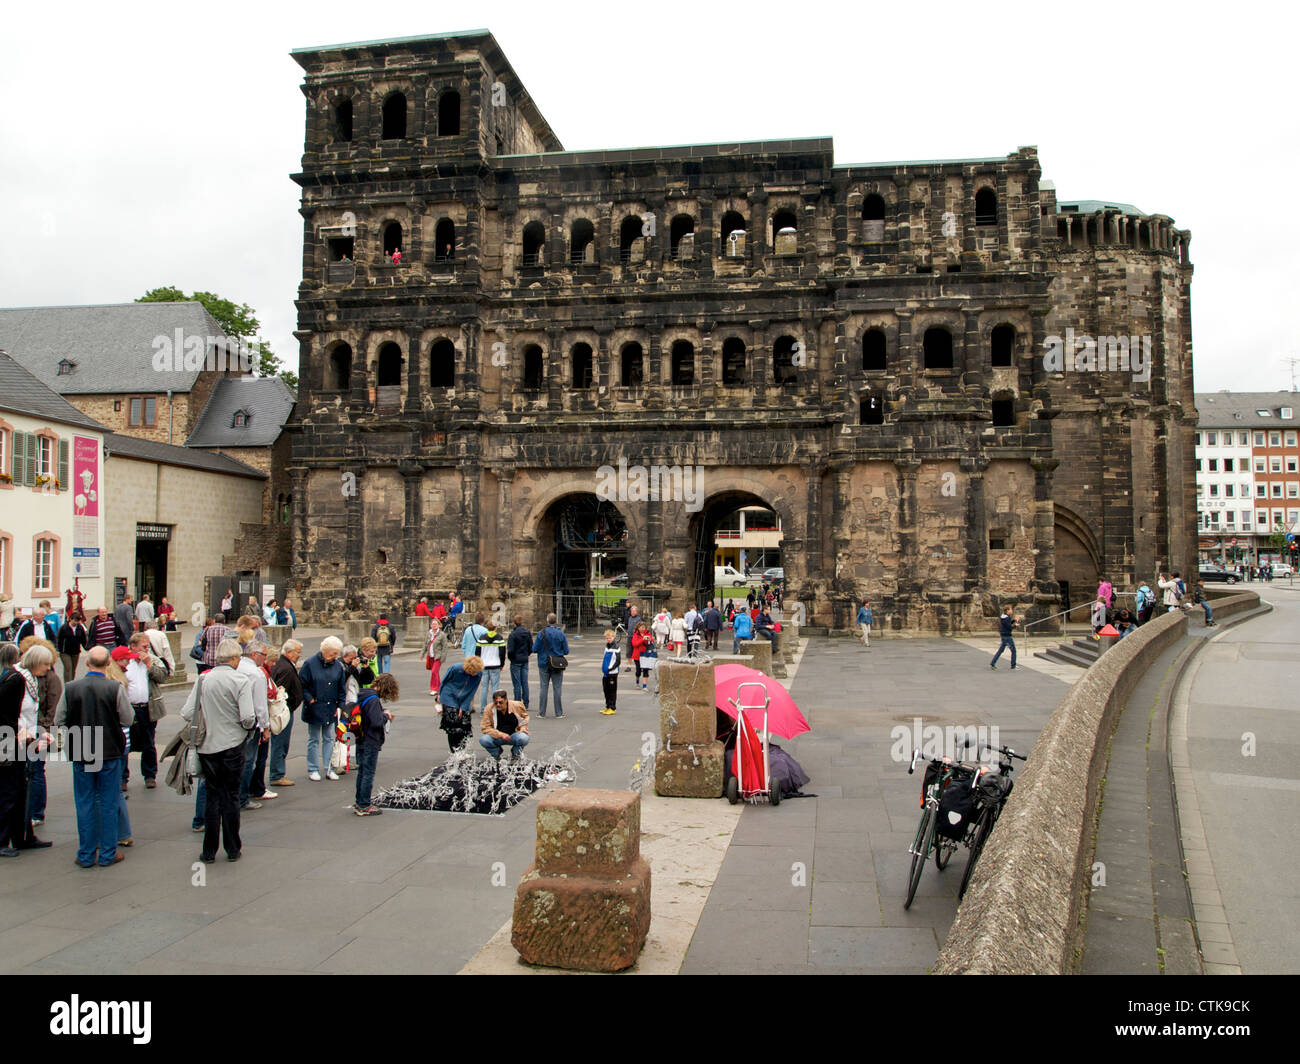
{"points": [[1005, 751]]}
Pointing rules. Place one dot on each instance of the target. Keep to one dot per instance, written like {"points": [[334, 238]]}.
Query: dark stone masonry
{"points": [[863, 349]]}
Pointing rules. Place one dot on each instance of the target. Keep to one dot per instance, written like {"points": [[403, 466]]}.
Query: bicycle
{"points": [[939, 773], [991, 790]]}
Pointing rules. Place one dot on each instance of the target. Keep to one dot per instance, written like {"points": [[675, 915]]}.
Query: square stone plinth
{"points": [[678, 775], [588, 832], [587, 923], [416, 636], [687, 696], [760, 651]]}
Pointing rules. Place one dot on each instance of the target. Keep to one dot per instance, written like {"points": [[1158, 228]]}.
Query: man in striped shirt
{"points": [[103, 630]]}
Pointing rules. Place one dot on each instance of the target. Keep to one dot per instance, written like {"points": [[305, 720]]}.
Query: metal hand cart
{"points": [[765, 788]]}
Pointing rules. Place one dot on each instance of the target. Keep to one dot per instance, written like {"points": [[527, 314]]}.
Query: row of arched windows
{"points": [[986, 207], [633, 228], [393, 117], [937, 348]]}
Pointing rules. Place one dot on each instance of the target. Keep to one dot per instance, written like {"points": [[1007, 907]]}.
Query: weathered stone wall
{"points": [[456, 480]]}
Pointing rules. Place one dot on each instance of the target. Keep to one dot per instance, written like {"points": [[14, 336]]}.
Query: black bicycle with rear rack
{"points": [[992, 787], [941, 774], [960, 804]]}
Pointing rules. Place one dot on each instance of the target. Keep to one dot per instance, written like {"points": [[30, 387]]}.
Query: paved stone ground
{"points": [[847, 915], [320, 890]]}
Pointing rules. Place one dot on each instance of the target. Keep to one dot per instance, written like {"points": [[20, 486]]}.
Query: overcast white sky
{"points": [[148, 144]]}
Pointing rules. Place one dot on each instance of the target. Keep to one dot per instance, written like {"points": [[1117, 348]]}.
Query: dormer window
{"points": [[241, 419], [66, 367], [1286, 413]]}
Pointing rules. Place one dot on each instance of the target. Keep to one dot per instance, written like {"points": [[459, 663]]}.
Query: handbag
{"points": [[196, 651], [557, 663], [339, 757], [279, 712]]}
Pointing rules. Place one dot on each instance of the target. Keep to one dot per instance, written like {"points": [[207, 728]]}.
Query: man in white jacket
{"points": [[1170, 588]]}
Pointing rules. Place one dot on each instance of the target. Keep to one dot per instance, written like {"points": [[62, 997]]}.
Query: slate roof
{"points": [[1091, 206], [22, 393], [1221, 410], [168, 454], [112, 345], [267, 400]]}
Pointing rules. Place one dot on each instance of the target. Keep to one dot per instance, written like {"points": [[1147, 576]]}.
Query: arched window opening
{"points": [[444, 241], [284, 508], [442, 365], [784, 370], [683, 363], [938, 349], [1144, 236], [733, 361], [871, 410], [732, 235], [394, 117], [392, 238], [986, 207], [582, 242], [389, 370], [580, 358], [534, 368], [785, 235], [873, 351], [873, 218], [449, 114], [1004, 412], [534, 243], [1004, 343], [633, 365], [339, 377], [683, 225], [1090, 231], [341, 248], [628, 234], [343, 120]]}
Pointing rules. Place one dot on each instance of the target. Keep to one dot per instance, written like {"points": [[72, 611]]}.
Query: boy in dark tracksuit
{"points": [[609, 673], [1006, 623], [370, 740]]}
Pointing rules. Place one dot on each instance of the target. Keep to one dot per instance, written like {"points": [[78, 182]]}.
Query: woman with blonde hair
{"points": [[50, 689]]}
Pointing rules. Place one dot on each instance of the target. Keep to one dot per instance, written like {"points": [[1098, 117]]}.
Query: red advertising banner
{"points": [[85, 506]]}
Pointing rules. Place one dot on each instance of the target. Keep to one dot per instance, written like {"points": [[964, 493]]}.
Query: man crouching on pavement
{"points": [[504, 723]]}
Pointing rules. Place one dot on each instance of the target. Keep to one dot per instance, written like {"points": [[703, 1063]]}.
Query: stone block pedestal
{"points": [[584, 903]]}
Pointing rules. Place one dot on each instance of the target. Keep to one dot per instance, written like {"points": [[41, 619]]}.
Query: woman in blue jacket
{"points": [[456, 699], [323, 679]]}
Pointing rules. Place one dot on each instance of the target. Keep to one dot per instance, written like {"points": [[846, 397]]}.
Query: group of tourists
{"points": [[1174, 595]]}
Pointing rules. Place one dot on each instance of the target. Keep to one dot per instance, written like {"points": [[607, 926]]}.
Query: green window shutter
{"points": [[33, 453], [63, 463], [20, 459]]}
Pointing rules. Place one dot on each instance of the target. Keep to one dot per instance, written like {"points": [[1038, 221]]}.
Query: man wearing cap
{"points": [[252, 785]]}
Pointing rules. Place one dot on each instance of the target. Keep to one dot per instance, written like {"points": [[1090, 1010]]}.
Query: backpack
{"points": [[355, 718], [383, 638], [698, 626]]}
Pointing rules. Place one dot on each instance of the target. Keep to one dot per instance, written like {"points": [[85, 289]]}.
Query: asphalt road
{"points": [[1243, 742]]}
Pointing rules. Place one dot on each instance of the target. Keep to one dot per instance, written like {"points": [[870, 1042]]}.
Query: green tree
{"points": [[238, 321]]}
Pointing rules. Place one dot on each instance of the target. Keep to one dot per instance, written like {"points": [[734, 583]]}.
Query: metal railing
{"points": [[1065, 625]]}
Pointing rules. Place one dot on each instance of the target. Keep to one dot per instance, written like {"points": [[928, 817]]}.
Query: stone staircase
{"points": [[1080, 652]]}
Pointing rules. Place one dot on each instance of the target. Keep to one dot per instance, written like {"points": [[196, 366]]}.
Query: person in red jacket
{"points": [[642, 640], [422, 608]]}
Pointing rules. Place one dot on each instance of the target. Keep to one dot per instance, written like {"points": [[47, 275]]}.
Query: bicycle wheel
{"points": [[921, 851], [944, 848], [987, 819]]}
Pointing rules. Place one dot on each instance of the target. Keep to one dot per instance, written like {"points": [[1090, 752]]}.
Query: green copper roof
{"points": [[393, 40]]}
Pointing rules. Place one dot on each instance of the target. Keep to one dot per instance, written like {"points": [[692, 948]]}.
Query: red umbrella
{"points": [[783, 716]]}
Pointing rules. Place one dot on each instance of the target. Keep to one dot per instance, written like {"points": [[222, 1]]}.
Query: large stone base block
{"points": [[276, 634], [678, 776], [586, 923], [355, 631]]}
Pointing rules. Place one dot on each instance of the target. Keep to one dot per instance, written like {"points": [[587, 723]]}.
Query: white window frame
{"points": [[1259, 439], [43, 558], [1275, 439]]}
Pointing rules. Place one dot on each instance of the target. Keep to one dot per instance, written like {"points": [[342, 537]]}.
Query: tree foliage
{"points": [[238, 321]]}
